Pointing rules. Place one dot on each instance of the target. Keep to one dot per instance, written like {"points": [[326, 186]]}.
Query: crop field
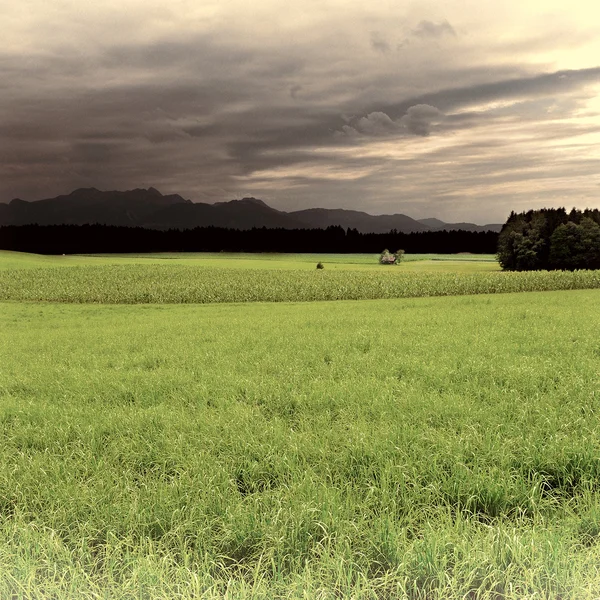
{"points": [[431, 448], [136, 281]]}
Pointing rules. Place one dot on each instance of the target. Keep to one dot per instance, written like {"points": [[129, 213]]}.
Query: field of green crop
{"points": [[167, 281], [437, 448]]}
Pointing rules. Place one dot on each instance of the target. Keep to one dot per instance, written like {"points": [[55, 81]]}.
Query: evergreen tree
{"points": [[550, 239]]}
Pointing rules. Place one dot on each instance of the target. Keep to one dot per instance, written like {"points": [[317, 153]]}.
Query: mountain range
{"points": [[151, 209]]}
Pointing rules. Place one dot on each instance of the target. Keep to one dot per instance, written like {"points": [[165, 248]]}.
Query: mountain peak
{"points": [[80, 191], [149, 208], [432, 222], [247, 200]]}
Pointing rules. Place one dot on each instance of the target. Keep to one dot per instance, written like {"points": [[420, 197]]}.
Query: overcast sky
{"points": [[458, 109]]}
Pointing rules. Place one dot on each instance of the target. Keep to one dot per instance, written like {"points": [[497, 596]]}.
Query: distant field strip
{"points": [[174, 284], [265, 260]]}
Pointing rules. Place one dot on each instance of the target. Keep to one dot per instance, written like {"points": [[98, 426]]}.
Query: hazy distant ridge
{"points": [[149, 208], [437, 225]]}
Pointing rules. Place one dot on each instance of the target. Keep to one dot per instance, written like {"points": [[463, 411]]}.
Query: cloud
{"points": [[519, 88], [376, 123], [429, 29], [420, 118], [379, 43], [204, 98]]}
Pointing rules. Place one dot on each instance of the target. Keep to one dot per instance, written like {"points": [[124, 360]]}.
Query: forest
{"points": [[89, 239], [550, 239]]}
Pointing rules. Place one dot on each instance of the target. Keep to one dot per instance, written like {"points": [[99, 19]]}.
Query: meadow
{"points": [[215, 279], [418, 448], [463, 263]]}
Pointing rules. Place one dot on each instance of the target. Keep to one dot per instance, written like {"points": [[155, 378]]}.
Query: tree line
{"points": [[89, 239], [550, 239]]}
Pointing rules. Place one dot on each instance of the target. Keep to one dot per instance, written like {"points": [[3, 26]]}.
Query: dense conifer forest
{"points": [[83, 239]]}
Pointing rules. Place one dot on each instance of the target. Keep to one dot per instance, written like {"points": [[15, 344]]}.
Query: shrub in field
{"points": [[387, 258], [320, 265]]}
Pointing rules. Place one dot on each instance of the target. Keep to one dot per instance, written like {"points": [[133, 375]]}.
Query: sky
{"points": [[457, 109]]}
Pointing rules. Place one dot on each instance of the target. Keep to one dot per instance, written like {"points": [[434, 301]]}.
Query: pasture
{"points": [[418, 448], [455, 263]]}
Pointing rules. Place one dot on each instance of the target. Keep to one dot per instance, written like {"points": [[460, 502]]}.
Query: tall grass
{"points": [[432, 448], [138, 284]]}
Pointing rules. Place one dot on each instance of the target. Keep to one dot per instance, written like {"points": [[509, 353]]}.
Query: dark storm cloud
{"points": [[97, 152], [200, 113], [417, 115], [123, 107], [295, 90], [447, 100], [133, 95]]}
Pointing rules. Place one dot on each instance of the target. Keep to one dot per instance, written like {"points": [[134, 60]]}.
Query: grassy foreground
{"points": [[432, 448]]}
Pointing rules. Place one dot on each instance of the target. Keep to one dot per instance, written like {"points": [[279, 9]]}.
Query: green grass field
{"points": [[419, 448], [452, 263]]}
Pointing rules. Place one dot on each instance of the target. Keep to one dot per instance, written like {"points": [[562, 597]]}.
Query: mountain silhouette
{"points": [[151, 209], [365, 223], [437, 225], [89, 205], [236, 214]]}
